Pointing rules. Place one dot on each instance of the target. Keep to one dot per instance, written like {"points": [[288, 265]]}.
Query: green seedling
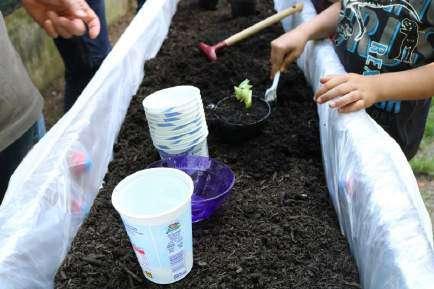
{"points": [[243, 93]]}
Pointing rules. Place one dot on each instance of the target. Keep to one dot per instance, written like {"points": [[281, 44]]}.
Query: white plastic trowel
{"points": [[271, 93]]}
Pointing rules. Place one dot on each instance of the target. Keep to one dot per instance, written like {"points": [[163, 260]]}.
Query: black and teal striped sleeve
{"points": [[8, 6]]}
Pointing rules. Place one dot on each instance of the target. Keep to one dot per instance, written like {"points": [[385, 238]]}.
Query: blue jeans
{"points": [[140, 4], [12, 156], [83, 56], [40, 129]]}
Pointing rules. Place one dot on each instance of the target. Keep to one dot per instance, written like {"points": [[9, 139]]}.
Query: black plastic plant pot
{"points": [[208, 4], [243, 7], [234, 123]]}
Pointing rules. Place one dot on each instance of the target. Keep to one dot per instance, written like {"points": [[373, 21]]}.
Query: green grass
{"points": [[423, 162]]}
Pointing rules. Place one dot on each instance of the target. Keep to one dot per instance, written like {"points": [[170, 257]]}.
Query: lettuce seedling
{"points": [[243, 93]]}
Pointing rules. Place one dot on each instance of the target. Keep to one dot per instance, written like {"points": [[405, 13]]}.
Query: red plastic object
{"points": [[211, 51]]}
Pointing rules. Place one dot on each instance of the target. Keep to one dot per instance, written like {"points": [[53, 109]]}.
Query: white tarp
{"points": [[49, 195], [371, 184]]}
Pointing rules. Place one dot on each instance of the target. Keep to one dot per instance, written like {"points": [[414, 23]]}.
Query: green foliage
{"points": [[429, 130], [243, 93], [423, 162], [423, 166]]}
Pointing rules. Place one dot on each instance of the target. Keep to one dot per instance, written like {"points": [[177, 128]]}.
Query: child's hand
{"points": [[348, 92], [286, 49]]}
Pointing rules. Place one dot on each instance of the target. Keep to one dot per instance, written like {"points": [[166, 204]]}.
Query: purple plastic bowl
{"points": [[213, 181]]}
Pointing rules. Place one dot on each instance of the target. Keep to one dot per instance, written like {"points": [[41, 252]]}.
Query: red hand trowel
{"points": [[210, 51]]}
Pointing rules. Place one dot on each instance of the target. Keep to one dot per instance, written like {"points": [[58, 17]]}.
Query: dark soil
{"points": [[278, 228], [208, 4], [232, 111], [243, 7]]}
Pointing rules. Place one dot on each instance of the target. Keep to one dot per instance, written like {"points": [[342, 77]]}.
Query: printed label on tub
{"points": [[141, 256], [164, 251], [176, 250]]}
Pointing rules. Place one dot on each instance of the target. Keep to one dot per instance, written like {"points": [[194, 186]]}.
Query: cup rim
{"points": [[155, 102], [117, 191]]}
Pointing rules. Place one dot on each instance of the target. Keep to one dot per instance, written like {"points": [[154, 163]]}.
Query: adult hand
{"points": [[65, 18], [349, 92], [286, 49]]}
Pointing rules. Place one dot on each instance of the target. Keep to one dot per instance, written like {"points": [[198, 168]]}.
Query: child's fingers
{"points": [[330, 84], [345, 100], [326, 78], [276, 59], [355, 106], [59, 24], [78, 26], [49, 28], [288, 60], [62, 32], [81, 10], [74, 27], [337, 91], [273, 70], [92, 22]]}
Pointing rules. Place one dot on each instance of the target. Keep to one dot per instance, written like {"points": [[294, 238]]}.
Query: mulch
{"points": [[278, 229]]}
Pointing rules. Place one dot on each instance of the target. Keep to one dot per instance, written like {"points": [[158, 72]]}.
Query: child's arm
{"points": [[290, 45], [351, 92]]}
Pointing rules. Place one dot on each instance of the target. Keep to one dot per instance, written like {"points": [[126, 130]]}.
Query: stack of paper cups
{"points": [[176, 120]]}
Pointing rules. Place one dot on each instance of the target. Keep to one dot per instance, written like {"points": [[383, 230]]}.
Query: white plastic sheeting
{"points": [[53, 189], [371, 184]]}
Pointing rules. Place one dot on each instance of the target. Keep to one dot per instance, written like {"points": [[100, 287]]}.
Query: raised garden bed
{"points": [[278, 228]]}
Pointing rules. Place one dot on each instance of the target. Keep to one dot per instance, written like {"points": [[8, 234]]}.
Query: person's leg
{"points": [[12, 156], [40, 129], [83, 56]]}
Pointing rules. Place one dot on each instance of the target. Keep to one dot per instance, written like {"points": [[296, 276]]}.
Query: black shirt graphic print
{"points": [[377, 36]]}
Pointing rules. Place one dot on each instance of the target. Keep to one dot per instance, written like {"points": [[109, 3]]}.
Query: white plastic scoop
{"points": [[271, 93]]}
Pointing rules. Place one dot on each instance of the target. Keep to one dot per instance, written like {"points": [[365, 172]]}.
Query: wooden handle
{"points": [[263, 24]]}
